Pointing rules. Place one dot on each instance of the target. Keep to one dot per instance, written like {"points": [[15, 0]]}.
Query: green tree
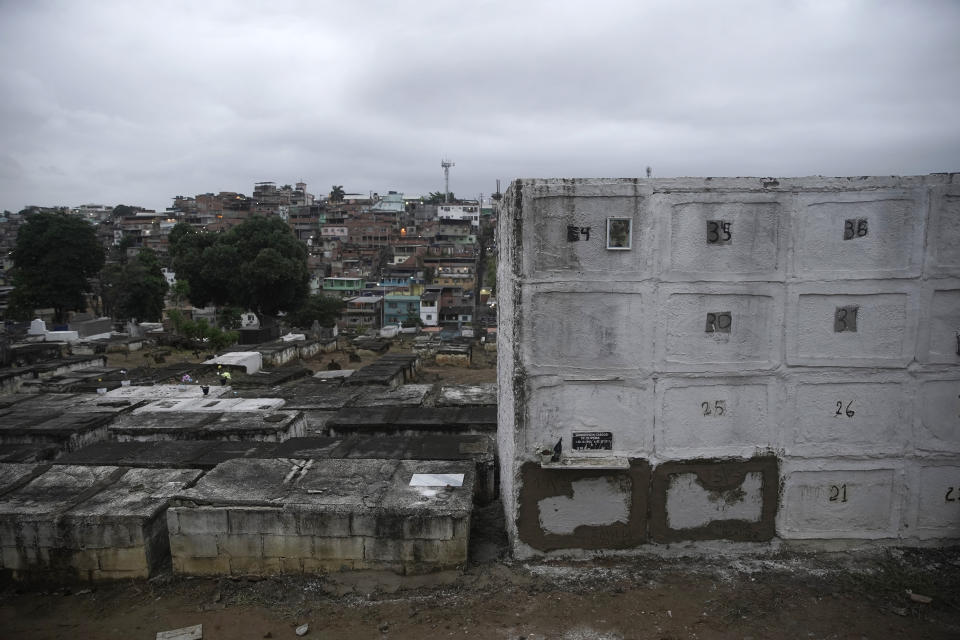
{"points": [[229, 317], [257, 265], [180, 291], [199, 333], [122, 210], [135, 290], [490, 275], [439, 197], [55, 256], [413, 320], [187, 246], [317, 308], [337, 193]]}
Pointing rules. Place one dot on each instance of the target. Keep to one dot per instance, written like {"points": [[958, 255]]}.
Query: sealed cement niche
{"points": [[714, 499], [595, 502], [595, 509]]}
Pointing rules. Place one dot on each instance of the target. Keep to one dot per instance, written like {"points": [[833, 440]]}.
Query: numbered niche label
{"points": [[844, 411], [719, 322], [717, 409], [619, 234], [854, 228], [952, 495], [845, 319], [838, 493], [576, 234], [719, 232]]}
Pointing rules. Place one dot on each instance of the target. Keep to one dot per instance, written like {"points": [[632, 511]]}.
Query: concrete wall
{"points": [[259, 517], [759, 358], [91, 523]]}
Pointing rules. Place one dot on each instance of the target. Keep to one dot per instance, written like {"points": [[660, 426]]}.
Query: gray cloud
{"points": [[137, 102]]}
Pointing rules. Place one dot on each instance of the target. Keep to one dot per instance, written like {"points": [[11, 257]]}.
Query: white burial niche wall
{"points": [[740, 359]]}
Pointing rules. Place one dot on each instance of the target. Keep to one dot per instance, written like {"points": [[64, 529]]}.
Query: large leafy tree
{"points": [[257, 265], [317, 308], [55, 256], [135, 289], [337, 193]]}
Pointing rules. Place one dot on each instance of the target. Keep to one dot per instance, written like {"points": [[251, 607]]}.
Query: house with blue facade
{"points": [[398, 309]]}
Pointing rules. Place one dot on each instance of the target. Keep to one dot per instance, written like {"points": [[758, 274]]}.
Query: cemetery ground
{"points": [[668, 594], [780, 595]]}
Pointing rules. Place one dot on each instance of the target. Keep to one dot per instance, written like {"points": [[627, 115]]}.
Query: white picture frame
{"points": [[620, 234]]}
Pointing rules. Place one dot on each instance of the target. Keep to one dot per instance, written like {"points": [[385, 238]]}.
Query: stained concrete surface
{"points": [[269, 516], [409, 420], [206, 454], [86, 522], [268, 426], [611, 507], [468, 395]]}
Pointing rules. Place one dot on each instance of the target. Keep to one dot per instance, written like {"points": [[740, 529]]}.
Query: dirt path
{"points": [[783, 597]]}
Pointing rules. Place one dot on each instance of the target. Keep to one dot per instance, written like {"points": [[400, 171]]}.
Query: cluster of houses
{"points": [[394, 260]]}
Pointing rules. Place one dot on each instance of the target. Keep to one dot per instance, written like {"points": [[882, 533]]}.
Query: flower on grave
{"points": [[186, 378]]}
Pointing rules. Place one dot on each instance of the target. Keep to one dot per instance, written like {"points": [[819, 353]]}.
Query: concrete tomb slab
{"points": [[413, 420], [263, 426], [307, 516], [166, 454], [310, 395], [468, 394], [94, 523], [163, 391], [28, 452], [408, 395], [251, 361], [14, 475], [390, 370], [68, 431], [262, 379]]}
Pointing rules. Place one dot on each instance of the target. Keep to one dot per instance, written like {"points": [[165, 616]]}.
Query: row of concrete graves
{"points": [[291, 516], [246, 516], [97, 523], [111, 469]]}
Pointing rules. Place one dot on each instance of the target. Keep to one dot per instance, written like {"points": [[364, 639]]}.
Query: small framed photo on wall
{"points": [[619, 234]]}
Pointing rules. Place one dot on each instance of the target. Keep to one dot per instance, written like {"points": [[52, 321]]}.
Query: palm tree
{"points": [[337, 193]]}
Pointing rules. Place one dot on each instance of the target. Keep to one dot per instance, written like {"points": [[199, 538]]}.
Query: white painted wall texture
{"points": [[810, 320]]}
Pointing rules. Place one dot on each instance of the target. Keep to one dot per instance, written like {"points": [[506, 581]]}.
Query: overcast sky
{"points": [[135, 102]]}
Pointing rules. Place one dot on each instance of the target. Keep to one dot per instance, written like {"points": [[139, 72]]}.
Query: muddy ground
{"points": [[774, 595]]}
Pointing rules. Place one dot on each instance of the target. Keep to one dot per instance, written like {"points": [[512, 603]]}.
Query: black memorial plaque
{"points": [[593, 440]]}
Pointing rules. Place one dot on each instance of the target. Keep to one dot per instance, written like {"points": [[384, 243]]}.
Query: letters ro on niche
{"points": [[719, 322], [575, 233]]}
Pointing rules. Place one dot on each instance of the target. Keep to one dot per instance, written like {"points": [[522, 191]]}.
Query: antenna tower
{"points": [[446, 164]]}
